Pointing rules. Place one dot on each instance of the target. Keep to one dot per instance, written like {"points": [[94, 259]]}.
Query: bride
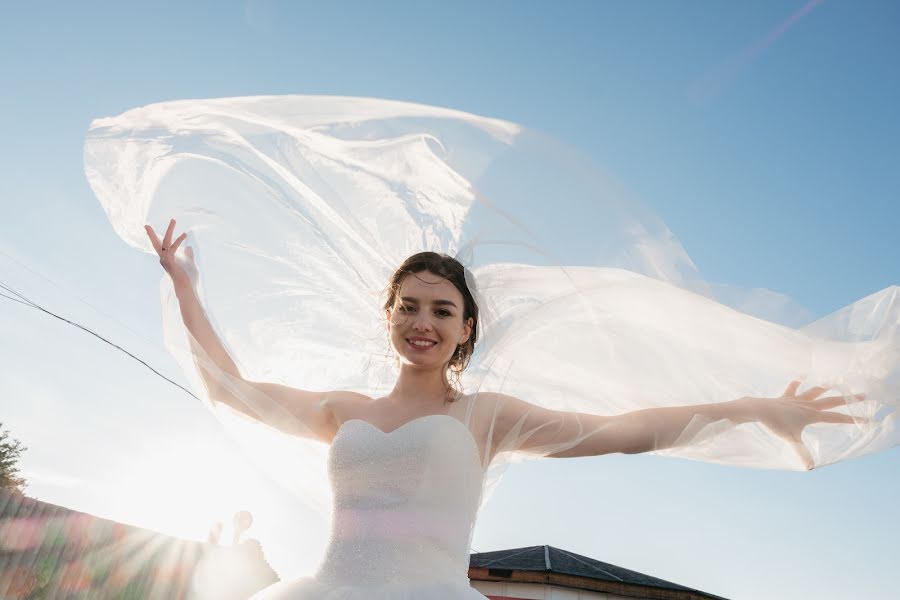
{"points": [[580, 327], [406, 468]]}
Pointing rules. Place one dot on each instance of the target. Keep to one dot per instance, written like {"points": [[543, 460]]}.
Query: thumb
{"points": [[803, 452]]}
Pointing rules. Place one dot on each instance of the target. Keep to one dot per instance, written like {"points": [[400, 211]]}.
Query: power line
{"points": [[27, 302], [68, 292]]}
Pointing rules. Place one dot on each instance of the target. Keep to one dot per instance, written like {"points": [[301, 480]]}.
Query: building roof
{"points": [[547, 559]]}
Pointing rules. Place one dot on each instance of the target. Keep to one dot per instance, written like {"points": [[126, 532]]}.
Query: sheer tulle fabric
{"points": [[300, 208]]}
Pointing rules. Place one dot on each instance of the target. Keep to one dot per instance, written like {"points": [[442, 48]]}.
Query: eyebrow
{"points": [[437, 302]]}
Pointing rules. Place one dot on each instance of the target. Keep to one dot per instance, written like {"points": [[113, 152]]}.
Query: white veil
{"points": [[299, 209]]}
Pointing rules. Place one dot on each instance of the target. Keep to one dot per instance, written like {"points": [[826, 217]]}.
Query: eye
{"points": [[443, 312], [406, 308]]}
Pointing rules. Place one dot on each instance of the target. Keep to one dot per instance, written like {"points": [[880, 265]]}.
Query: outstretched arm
{"points": [[294, 411], [210, 354], [660, 428]]}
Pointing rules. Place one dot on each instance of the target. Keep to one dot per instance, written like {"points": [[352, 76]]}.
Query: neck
{"points": [[420, 385]]}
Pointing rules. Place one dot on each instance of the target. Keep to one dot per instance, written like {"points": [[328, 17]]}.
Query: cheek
{"points": [[452, 332]]}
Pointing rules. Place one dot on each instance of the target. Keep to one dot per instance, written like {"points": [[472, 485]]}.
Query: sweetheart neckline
{"points": [[402, 425], [472, 442]]}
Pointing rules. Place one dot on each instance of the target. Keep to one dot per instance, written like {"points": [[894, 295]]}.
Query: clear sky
{"points": [[764, 134]]}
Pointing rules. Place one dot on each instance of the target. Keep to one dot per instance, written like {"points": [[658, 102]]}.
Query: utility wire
{"points": [[17, 300], [34, 305], [68, 293]]}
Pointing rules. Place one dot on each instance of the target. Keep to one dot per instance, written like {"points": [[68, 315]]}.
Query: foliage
{"points": [[10, 451]]}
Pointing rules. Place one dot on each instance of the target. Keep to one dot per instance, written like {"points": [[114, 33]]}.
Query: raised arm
{"points": [[578, 434], [294, 411]]}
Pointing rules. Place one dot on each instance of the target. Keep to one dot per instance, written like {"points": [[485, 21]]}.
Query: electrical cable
{"points": [[27, 302]]}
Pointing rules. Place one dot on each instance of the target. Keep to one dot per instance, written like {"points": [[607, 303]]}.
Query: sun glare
{"points": [[181, 488]]}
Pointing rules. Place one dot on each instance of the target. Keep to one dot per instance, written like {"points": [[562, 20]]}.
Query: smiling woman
{"points": [[518, 327], [422, 319], [433, 284]]}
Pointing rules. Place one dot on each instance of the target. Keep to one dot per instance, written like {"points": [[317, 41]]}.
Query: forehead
{"points": [[428, 286]]}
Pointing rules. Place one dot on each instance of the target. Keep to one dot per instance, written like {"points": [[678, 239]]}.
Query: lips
{"points": [[420, 343]]}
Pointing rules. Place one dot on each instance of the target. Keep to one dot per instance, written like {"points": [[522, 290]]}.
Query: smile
{"points": [[421, 344]]}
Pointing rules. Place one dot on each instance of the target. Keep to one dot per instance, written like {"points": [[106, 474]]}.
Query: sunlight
{"points": [[182, 488]]}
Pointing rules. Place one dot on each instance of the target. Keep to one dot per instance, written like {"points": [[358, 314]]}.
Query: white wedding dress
{"points": [[300, 208], [405, 504]]}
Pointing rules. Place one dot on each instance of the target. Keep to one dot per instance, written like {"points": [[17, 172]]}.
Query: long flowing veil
{"points": [[300, 207]]}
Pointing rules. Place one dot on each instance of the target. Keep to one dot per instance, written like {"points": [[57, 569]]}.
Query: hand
{"points": [[182, 272], [788, 415]]}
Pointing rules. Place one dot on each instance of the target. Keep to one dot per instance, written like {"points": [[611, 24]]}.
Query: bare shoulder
{"points": [[485, 409], [345, 405], [308, 412], [492, 402], [488, 419], [502, 412], [339, 406]]}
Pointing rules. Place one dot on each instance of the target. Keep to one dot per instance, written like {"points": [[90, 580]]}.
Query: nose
{"points": [[422, 322]]}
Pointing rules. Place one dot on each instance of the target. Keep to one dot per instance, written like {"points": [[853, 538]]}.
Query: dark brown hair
{"points": [[453, 271]]}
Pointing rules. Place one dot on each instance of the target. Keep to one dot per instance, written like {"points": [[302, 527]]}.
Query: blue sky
{"points": [[763, 133]]}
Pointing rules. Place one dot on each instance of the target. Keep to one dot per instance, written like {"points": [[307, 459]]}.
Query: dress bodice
{"points": [[405, 501]]}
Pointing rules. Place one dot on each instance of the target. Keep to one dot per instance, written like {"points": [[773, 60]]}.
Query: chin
{"points": [[415, 361]]}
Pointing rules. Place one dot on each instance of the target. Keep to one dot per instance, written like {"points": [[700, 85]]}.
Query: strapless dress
{"points": [[405, 504]]}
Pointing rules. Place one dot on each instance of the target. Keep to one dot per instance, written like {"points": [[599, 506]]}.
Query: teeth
{"points": [[418, 343]]}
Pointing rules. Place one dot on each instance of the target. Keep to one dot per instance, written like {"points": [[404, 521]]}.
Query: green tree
{"points": [[10, 450]]}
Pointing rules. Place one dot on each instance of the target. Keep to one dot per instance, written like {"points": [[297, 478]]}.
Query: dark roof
{"points": [[547, 559]]}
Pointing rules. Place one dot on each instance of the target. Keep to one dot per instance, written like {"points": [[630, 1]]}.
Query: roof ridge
{"points": [[580, 559], [581, 566], [505, 556]]}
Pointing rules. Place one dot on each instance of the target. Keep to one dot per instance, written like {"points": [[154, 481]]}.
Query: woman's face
{"points": [[426, 322]]}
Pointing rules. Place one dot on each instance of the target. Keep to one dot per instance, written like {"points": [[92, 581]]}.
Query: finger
{"points": [[190, 252], [153, 238], [804, 453], [177, 243], [167, 241], [835, 401], [813, 393], [791, 388]]}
